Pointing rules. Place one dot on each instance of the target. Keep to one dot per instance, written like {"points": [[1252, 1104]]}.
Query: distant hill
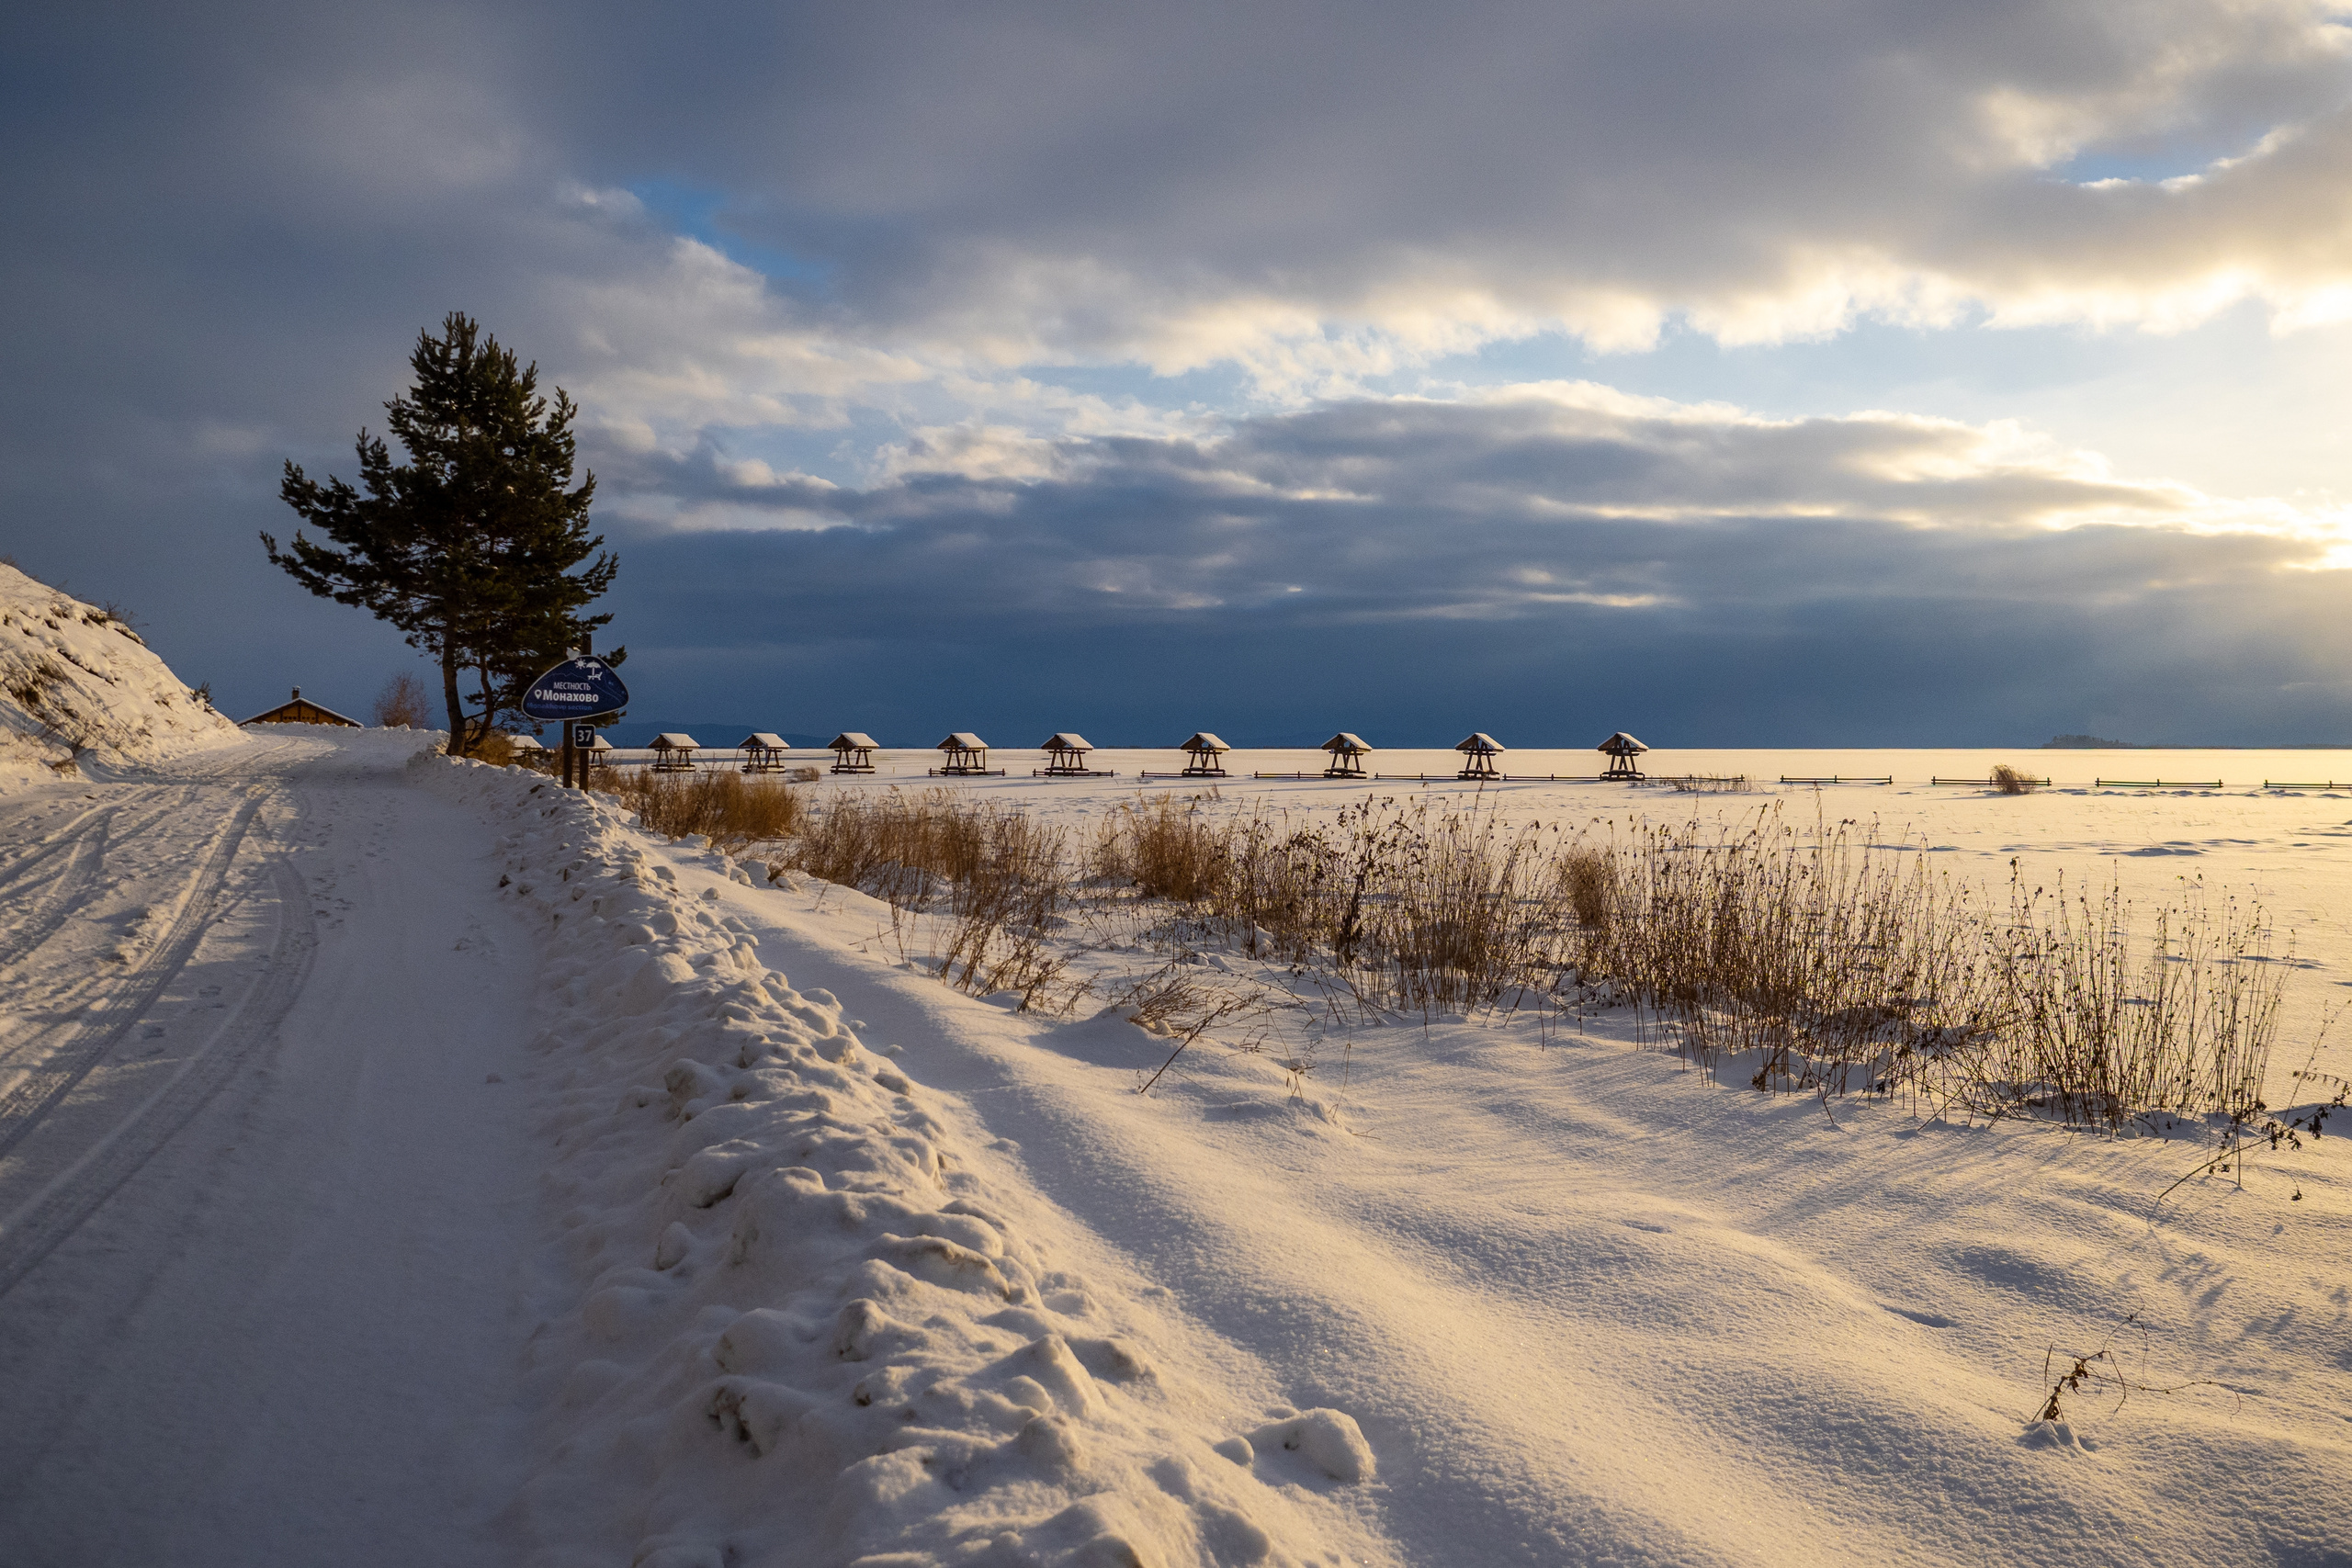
{"points": [[2093, 743]]}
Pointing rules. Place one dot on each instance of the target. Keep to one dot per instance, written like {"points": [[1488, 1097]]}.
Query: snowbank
{"points": [[799, 1327], [77, 684]]}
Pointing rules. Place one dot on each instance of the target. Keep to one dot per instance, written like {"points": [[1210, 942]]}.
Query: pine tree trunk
{"points": [[457, 746]]}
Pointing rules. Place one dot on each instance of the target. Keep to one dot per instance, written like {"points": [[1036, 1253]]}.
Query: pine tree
{"points": [[469, 546]]}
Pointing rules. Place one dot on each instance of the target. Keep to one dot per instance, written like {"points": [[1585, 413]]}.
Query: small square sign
{"points": [[583, 736]]}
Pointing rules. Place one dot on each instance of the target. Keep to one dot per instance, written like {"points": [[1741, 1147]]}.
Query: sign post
{"points": [[574, 694]]}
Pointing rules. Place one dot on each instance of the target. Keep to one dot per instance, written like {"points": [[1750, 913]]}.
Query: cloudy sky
{"points": [[1739, 373]]}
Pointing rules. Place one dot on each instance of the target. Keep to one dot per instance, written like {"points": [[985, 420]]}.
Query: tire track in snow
{"points": [[60, 1207], [57, 841], [22, 1108]]}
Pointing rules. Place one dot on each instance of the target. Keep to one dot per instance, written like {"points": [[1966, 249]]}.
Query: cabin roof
{"points": [[1480, 744], [301, 710], [761, 740], [1205, 741], [1345, 744], [1066, 740], [854, 740], [675, 740], [1620, 745], [963, 740]]}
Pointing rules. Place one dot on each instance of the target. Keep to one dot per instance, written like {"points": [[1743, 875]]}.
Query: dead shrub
{"points": [[2008, 781]]}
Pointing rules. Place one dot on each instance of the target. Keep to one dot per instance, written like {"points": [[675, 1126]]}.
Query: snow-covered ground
{"points": [[404, 1160], [80, 691]]}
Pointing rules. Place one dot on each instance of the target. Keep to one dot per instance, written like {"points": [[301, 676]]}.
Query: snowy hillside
{"points": [[77, 684]]}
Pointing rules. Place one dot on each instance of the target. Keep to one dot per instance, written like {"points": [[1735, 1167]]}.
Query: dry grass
{"points": [[997, 881], [733, 812], [1819, 960]]}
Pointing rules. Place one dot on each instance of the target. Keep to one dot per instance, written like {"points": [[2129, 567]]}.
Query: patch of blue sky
{"points": [[700, 213]]}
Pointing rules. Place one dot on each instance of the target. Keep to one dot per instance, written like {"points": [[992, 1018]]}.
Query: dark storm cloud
{"points": [[1530, 565]]}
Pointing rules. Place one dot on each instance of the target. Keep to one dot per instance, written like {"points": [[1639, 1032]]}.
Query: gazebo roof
{"points": [[1620, 745], [524, 743], [1205, 741], [1066, 740], [675, 740], [600, 744], [760, 741], [1481, 744], [1345, 744], [854, 740], [963, 740]]}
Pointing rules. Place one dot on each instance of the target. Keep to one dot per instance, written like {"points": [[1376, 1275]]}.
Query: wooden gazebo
{"points": [[301, 710], [597, 751], [853, 752], [964, 753], [1066, 755], [528, 751], [1348, 752], [673, 752], [762, 752], [1478, 754], [1204, 757], [1621, 749]]}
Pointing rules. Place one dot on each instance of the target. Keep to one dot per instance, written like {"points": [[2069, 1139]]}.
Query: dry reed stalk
{"points": [[2008, 781]]}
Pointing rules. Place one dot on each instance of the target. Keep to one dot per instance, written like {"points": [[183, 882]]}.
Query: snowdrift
{"points": [[77, 684], [799, 1328]]}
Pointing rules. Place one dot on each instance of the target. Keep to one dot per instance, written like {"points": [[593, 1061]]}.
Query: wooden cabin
{"points": [[1478, 754], [301, 710], [762, 752], [673, 752], [1348, 752], [1066, 755], [965, 754], [853, 752], [1622, 749], [1204, 757]]}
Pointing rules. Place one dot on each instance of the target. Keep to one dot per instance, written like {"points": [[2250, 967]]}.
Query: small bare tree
{"points": [[402, 703]]}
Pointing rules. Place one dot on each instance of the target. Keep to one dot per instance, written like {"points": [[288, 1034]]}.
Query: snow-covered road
{"points": [[262, 1217]]}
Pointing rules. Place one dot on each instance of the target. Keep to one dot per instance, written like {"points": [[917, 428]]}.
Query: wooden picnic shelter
{"points": [[853, 752], [762, 752], [1348, 752], [528, 751], [1066, 755], [1204, 757], [595, 751], [673, 752], [301, 710], [965, 754], [1478, 754], [1621, 749]]}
